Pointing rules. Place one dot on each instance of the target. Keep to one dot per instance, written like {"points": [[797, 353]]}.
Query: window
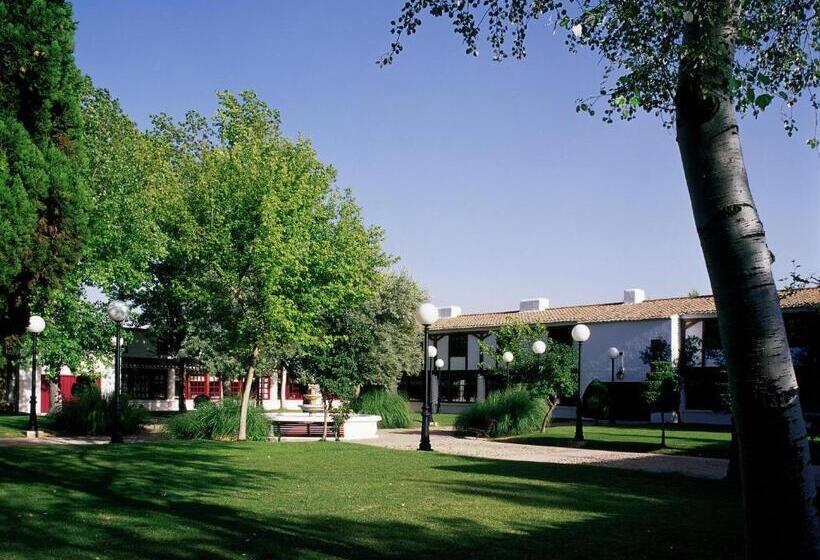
{"points": [[145, 378], [457, 346], [458, 386]]}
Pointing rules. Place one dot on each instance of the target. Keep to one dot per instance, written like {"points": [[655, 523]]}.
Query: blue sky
{"points": [[489, 186]]}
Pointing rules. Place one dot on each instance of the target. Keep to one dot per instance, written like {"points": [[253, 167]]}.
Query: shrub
{"points": [[391, 406], [505, 413], [89, 413], [596, 401], [218, 420]]}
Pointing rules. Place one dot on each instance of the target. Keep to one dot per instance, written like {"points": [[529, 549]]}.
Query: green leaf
{"points": [[763, 100]]}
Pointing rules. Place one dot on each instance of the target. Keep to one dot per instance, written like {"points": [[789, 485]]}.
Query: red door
{"points": [[66, 385], [45, 394]]}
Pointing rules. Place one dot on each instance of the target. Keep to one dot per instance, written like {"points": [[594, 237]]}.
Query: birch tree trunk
{"points": [[246, 395], [775, 466]]}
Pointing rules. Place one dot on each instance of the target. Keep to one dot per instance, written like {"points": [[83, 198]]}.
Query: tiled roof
{"points": [[612, 312]]}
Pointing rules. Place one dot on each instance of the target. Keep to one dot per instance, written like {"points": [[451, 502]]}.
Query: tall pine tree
{"points": [[43, 197]]}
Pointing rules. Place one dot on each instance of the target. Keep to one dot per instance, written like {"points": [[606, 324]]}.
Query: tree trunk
{"points": [[663, 430], [733, 469], [183, 406], [548, 416], [775, 465], [246, 395], [55, 395], [324, 427], [11, 372]]}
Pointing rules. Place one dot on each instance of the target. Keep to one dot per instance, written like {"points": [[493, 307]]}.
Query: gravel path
{"points": [[443, 441]]}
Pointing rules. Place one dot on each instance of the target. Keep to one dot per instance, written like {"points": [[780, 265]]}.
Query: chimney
{"points": [[634, 295], [534, 304], [449, 312]]}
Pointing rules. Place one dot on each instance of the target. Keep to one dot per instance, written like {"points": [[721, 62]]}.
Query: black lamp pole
{"points": [[116, 433], [579, 424], [426, 412], [182, 406], [32, 414]]}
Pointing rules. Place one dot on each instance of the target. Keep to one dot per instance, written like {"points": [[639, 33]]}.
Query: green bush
{"points": [[218, 420], [596, 401], [505, 413], [391, 406], [90, 414]]}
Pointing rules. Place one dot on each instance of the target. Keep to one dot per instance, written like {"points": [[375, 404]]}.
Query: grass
{"points": [[185, 500], [15, 425], [441, 418], [700, 441]]}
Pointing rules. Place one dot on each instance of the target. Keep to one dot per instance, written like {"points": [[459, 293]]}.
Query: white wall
{"points": [[630, 337], [24, 404]]}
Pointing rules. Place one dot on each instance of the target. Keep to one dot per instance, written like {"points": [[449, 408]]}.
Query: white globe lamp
{"points": [[118, 311], [539, 347], [427, 314], [580, 333], [36, 324]]}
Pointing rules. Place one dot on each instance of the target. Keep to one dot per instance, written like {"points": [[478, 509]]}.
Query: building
{"points": [[154, 382], [631, 325]]}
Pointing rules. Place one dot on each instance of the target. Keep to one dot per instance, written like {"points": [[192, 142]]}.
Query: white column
{"points": [[434, 392], [481, 388], [171, 386]]}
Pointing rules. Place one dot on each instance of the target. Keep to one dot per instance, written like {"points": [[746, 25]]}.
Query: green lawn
{"points": [[688, 440], [441, 419], [16, 425], [187, 500]]}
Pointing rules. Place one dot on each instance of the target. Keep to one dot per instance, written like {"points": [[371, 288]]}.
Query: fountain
{"points": [[309, 422], [312, 402]]}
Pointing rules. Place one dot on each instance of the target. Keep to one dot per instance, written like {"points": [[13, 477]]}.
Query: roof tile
{"points": [[614, 312]]}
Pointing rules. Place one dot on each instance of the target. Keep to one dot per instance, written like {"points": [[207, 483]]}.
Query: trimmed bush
{"points": [[218, 420], [91, 414], [596, 401], [505, 413], [391, 406]]}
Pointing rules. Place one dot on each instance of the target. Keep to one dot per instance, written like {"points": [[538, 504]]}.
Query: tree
{"points": [[271, 249], [661, 391], [549, 376], [374, 342], [44, 200], [695, 65]]}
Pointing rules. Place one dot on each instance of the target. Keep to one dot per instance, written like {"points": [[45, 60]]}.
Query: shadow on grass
{"points": [[185, 501]]}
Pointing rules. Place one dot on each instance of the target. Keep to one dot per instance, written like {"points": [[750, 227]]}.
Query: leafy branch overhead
{"points": [[641, 47]]}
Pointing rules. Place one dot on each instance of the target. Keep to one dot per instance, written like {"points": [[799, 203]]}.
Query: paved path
{"points": [[443, 441]]}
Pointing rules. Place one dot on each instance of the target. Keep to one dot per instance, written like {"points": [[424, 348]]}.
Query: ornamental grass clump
{"points": [[218, 420], [391, 406], [89, 413], [505, 413]]}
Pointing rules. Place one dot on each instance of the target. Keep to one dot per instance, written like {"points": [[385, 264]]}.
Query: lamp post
{"points": [[580, 334], [508, 358], [432, 352], [538, 348], [36, 324], [439, 363], [613, 354], [117, 312], [426, 315], [181, 355]]}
